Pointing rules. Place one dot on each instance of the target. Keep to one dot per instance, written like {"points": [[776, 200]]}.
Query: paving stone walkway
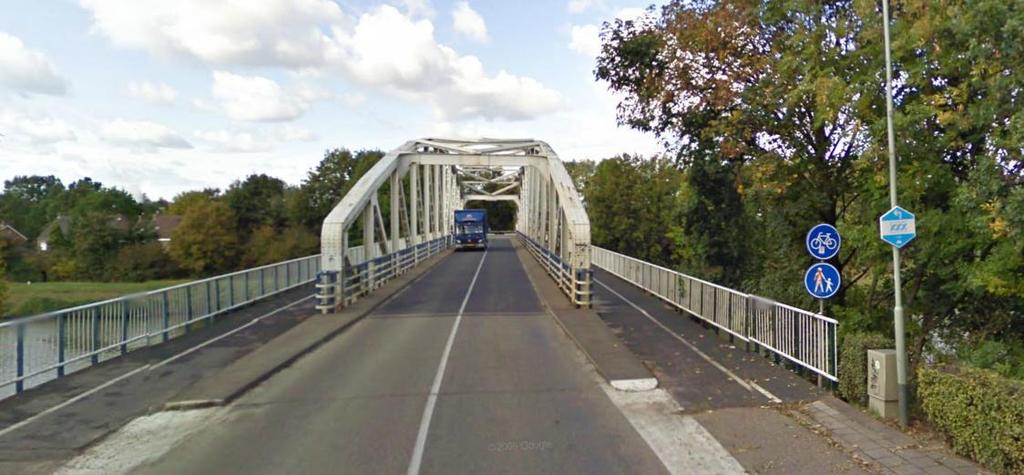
{"points": [[887, 449]]}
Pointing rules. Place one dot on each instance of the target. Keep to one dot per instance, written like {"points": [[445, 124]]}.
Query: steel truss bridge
{"points": [[402, 209]]}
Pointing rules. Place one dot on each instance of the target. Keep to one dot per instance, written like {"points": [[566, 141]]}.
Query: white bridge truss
{"points": [[405, 207]]}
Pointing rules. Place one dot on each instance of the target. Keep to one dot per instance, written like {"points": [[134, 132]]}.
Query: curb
{"points": [[625, 385]]}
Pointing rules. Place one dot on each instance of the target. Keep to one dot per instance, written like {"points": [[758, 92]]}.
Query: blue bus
{"points": [[471, 228]]}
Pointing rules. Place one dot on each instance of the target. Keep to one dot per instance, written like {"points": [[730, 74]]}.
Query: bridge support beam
{"points": [[444, 174]]}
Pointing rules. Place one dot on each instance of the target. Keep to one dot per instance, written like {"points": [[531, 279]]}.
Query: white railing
{"points": [[805, 338], [40, 348], [575, 283]]}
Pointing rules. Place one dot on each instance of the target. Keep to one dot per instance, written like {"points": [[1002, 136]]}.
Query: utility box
{"points": [[883, 394]]}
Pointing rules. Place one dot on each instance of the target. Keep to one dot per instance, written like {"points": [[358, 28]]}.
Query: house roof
{"points": [[62, 221], [9, 231], [165, 224], [117, 222]]}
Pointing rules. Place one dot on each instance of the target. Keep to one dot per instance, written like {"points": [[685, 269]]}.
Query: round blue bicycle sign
{"points": [[823, 241], [822, 280]]}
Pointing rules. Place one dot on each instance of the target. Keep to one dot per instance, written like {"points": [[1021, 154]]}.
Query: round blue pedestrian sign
{"points": [[823, 241], [822, 280]]}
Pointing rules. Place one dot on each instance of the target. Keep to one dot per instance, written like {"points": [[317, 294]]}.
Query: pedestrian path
{"points": [[887, 449]]}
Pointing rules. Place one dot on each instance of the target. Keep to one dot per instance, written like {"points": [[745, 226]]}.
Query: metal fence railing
{"points": [[575, 283], [40, 348], [363, 276], [805, 338]]}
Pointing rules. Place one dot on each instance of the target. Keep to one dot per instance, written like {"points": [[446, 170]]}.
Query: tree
{"points": [[775, 113], [637, 226], [207, 240], [26, 202], [141, 262], [258, 200], [184, 201], [324, 186], [581, 171], [269, 245], [3, 278]]}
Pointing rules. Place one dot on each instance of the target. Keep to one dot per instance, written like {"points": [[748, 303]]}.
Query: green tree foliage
{"points": [[268, 245], [3, 277], [26, 202], [774, 113], [581, 171], [184, 201], [143, 261], [635, 226], [257, 200], [207, 239], [325, 185]]}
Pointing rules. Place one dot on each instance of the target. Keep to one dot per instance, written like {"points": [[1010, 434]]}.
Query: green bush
{"points": [[853, 364], [980, 412], [1003, 357]]}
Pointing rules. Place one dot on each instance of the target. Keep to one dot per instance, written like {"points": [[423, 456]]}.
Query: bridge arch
{"points": [[422, 182]]}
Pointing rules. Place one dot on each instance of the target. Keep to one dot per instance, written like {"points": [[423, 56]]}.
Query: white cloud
{"points": [[233, 142], [580, 6], [257, 33], [27, 70], [628, 14], [418, 8], [142, 134], [34, 131], [291, 133], [389, 50], [154, 93], [255, 98], [468, 22], [585, 39], [384, 49]]}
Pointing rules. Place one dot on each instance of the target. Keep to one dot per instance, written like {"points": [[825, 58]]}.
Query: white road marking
{"points": [[146, 367], [748, 385], [428, 411], [681, 444], [143, 440]]}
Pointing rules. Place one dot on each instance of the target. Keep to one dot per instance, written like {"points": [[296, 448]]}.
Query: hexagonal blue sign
{"points": [[897, 226]]}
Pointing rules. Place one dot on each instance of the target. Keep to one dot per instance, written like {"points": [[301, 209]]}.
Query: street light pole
{"points": [[897, 311]]}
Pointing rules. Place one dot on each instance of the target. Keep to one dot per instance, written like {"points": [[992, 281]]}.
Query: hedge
{"points": [[853, 364], [980, 412]]}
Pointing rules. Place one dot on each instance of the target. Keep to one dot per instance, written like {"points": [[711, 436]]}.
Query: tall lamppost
{"points": [[897, 311]]}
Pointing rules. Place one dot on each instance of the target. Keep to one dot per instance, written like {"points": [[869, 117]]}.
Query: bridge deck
{"points": [[516, 395]]}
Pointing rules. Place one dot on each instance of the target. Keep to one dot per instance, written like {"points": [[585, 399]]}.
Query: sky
{"points": [[158, 97]]}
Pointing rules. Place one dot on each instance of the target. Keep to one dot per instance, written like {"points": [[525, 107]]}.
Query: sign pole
{"points": [[901, 350]]}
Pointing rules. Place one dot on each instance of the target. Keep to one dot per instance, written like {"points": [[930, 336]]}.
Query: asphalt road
{"points": [[513, 395]]}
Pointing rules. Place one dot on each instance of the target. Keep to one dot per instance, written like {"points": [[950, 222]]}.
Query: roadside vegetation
{"points": [[66, 245], [41, 297], [772, 116]]}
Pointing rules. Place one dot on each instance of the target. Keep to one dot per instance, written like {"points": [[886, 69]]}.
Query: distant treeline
{"points": [[85, 231]]}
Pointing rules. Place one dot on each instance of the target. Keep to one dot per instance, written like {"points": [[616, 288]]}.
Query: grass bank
{"points": [[30, 299]]}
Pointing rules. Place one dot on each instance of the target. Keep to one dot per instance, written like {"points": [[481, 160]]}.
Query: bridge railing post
{"points": [[124, 326], [94, 351], [19, 357]]}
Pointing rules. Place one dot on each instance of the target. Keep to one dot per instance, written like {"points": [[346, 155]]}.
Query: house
{"points": [[12, 236], [164, 225], [62, 223]]}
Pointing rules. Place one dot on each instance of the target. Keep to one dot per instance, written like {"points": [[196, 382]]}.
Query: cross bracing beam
{"points": [[408, 197]]}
